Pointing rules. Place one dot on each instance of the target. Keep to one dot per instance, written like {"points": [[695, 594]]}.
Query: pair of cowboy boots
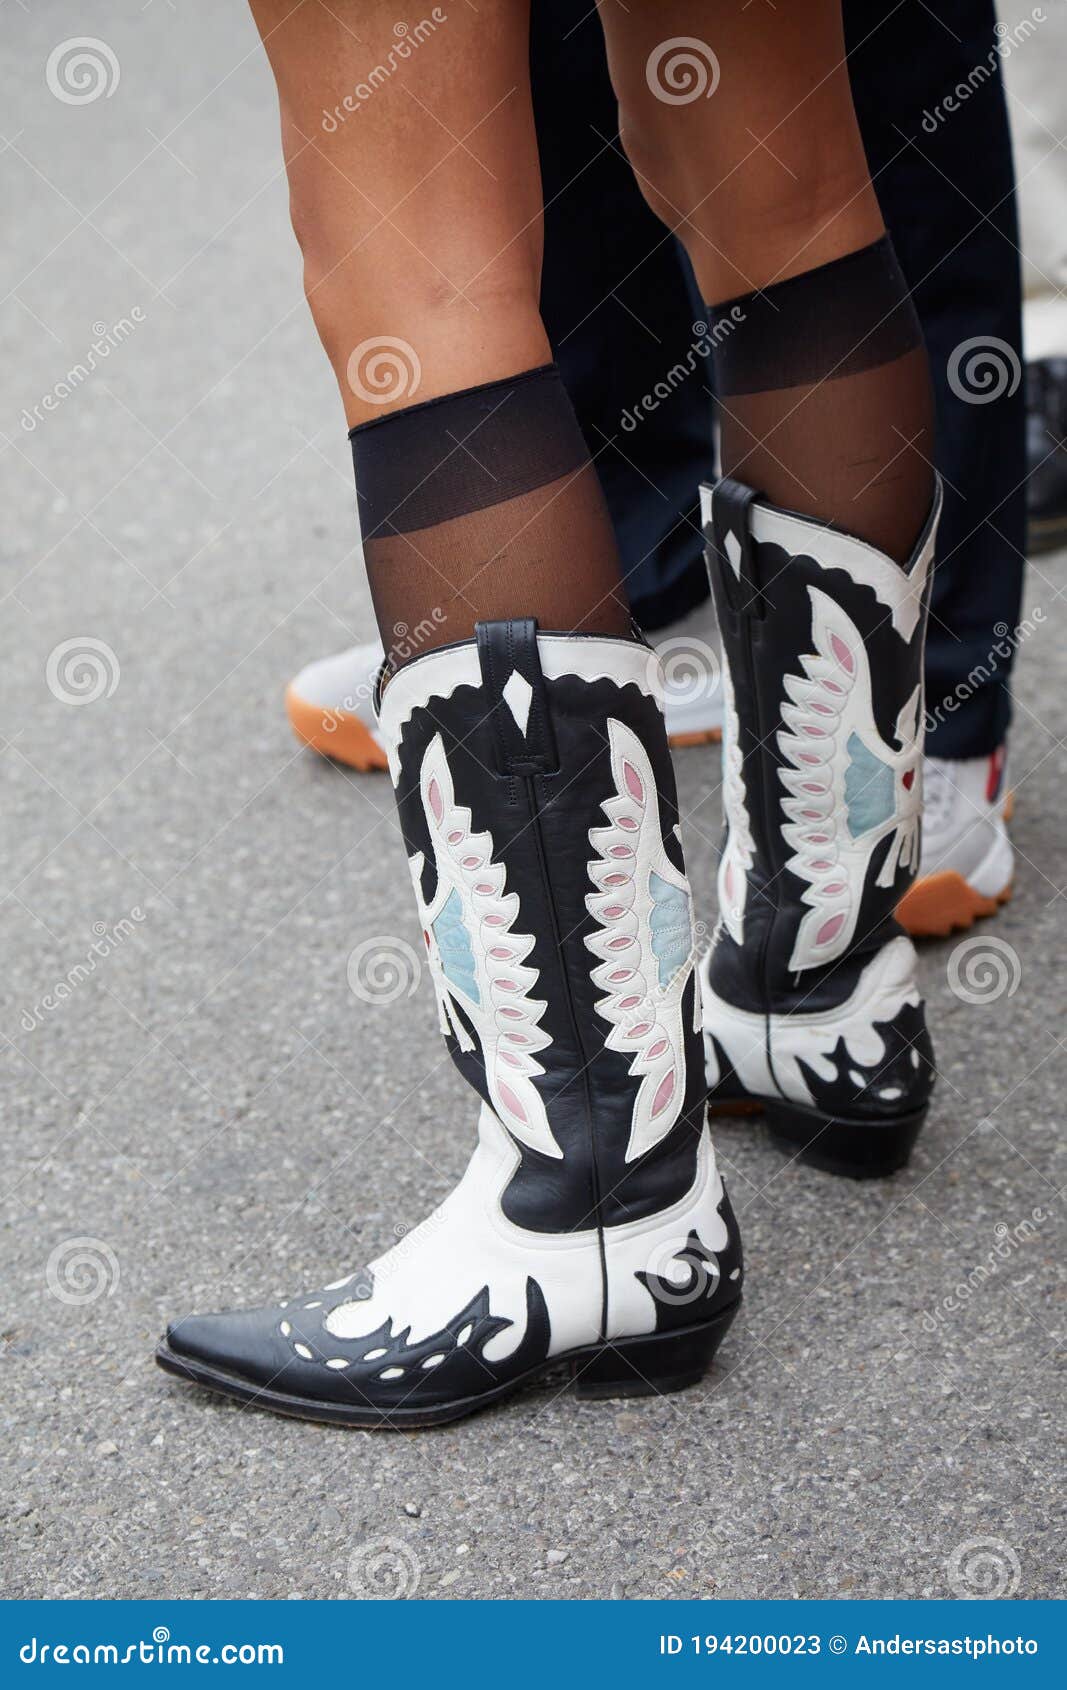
{"points": [[591, 1231]]}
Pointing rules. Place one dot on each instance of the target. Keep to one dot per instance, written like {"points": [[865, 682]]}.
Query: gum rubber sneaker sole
{"points": [[944, 903], [342, 735], [339, 734], [702, 736]]}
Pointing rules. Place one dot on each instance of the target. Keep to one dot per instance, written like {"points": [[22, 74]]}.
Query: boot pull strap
{"points": [[516, 696], [726, 509]]}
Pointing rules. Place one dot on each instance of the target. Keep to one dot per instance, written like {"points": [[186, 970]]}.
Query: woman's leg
{"points": [[418, 211], [740, 126], [535, 792]]}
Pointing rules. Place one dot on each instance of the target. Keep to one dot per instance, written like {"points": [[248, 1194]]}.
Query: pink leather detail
{"points": [[434, 796], [664, 1093], [830, 929], [633, 782], [510, 1101], [843, 653]]}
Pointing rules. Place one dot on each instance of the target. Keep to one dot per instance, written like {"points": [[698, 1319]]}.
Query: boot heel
{"points": [[857, 1149], [653, 1365]]}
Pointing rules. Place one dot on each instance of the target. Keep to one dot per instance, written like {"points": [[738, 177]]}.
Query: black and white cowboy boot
{"points": [[811, 1003], [591, 1227]]}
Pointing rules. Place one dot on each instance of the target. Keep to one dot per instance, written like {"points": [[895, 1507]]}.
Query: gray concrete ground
{"points": [[205, 1105]]}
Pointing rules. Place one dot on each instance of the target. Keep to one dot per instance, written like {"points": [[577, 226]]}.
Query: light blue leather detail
{"points": [[869, 788], [672, 934], [454, 945]]}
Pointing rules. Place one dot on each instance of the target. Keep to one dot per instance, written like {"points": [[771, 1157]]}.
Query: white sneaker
{"points": [[967, 861], [330, 702], [331, 706]]}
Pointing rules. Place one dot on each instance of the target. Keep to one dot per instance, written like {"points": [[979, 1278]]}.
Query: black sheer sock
{"points": [[825, 397], [485, 504]]}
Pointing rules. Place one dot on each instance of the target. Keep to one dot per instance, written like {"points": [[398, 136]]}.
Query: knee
{"points": [[740, 209]]}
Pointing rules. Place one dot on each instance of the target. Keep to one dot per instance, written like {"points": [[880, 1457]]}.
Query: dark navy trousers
{"points": [[626, 323]]}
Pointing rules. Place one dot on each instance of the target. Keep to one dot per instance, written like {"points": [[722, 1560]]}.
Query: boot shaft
{"points": [[822, 748], [538, 808]]}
